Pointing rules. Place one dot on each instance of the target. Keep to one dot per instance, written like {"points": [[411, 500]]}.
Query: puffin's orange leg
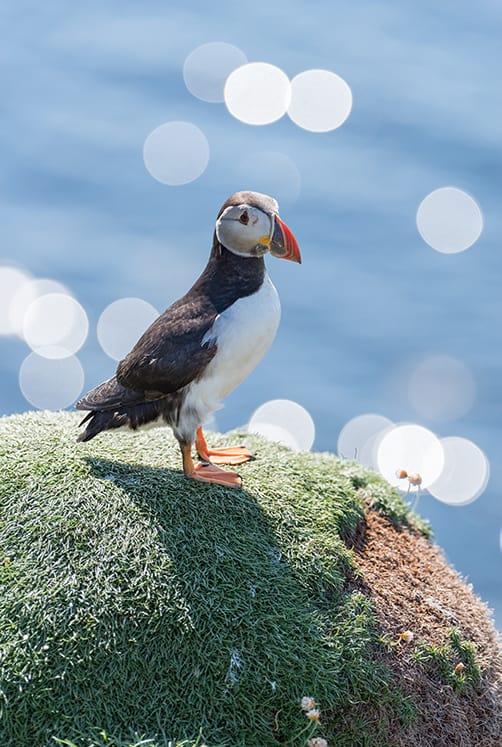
{"points": [[207, 472], [225, 455]]}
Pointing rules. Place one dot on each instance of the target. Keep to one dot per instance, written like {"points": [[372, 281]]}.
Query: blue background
{"points": [[82, 87]]}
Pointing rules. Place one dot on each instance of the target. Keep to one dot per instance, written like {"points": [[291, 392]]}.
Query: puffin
{"points": [[205, 344]]}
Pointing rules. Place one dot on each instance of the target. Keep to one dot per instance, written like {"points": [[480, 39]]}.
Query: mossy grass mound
{"points": [[141, 608]]}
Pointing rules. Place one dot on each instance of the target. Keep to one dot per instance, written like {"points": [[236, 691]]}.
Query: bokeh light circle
{"points": [[275, 433], [207, 67], [360, 437], [50, 384], [465, 474], [284, 421], [55, 325], [26, 295], [320, 100], [257, 93], [441, 388], [272, 173], [122, 323], [449, 220], [176, 153], [12, 280], [412, 448]]}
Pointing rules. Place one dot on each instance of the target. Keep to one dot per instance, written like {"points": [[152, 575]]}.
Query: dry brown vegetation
{"points": [[414, 589]]}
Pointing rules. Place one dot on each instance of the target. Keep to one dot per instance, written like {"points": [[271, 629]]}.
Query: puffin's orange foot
{"points": [[228, 455], [206, 472], [225, 455]]}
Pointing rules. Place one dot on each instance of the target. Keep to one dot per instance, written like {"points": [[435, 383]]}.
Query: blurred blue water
{"points": [[83, 86]]}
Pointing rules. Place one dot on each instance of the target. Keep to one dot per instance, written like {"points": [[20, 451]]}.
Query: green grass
{"points": [[444, 660], [139, 608]]}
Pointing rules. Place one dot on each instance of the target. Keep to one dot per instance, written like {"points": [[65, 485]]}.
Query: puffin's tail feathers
{"points": [[98, 421], [112, 405]]}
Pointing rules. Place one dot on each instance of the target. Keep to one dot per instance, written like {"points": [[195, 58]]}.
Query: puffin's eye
{"points": [[244, 218]]}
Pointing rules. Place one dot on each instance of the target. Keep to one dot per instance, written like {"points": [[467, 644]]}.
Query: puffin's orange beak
{"points": [[284, 244]]}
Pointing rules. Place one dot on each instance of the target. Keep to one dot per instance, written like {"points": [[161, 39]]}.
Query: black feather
{"points": [[135, 416], [111, 395]]}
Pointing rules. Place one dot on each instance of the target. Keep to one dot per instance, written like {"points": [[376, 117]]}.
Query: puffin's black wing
{"points": [[111, 395], [172, 352]]}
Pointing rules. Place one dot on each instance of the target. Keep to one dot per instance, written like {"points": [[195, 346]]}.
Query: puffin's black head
{"points": [[248, 224]]}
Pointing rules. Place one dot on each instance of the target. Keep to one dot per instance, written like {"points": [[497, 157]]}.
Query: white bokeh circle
{"points": [[12, 281], [441, 388], [465, 474], [207, 67], [449, 220], [176, 153], [412, 448], [121, 323], [51, 384], [360, 437], [320, 100], [257, 93], [26, 295], [284, 421], [275, 433], [55, 325]]}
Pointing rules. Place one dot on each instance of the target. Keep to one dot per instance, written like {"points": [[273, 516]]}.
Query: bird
{"points": [[205, 344]]}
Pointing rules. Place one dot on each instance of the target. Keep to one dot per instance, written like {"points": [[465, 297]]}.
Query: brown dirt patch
{"points": [[413, 588]]}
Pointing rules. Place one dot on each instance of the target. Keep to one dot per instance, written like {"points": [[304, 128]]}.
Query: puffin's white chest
{"points": [[243, 333]]}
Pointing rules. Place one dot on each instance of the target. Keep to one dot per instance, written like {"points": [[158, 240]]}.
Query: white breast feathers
{"points": [[243, 333]]}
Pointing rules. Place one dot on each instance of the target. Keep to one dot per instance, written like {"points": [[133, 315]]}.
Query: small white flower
{"points": [[317, 742], [308, 703], [314, 714]]}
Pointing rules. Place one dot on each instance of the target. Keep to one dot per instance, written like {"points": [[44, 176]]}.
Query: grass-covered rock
{"points": [[137, 607]]}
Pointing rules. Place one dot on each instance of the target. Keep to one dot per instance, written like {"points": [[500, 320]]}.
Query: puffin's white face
{"points": [[250, 231], [245, 230]]}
